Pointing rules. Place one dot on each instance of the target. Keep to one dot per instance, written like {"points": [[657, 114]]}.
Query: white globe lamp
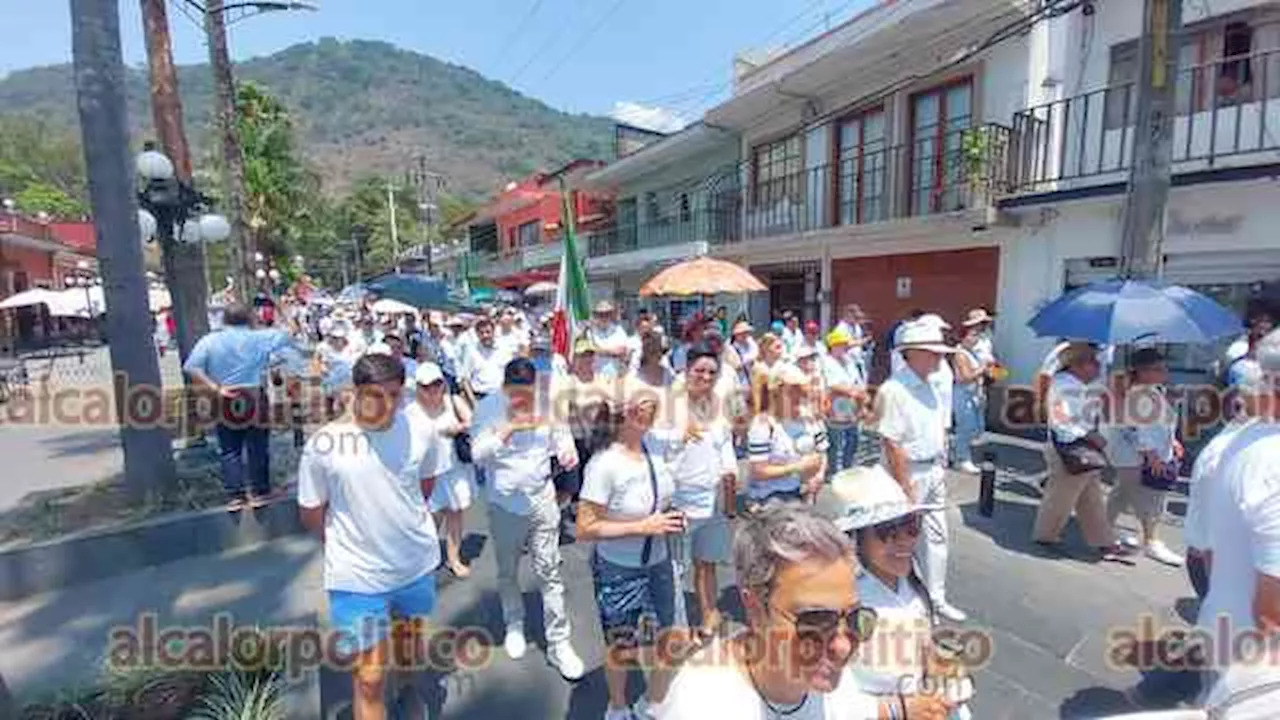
{"points": [[260, 274], [154, 165], [147, 225], [190, 233], [214, 228]]}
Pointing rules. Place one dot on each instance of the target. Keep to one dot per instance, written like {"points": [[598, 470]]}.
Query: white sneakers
{"points": [[644, 710], [514, 643], [559, 654], [622, 713], [1158, 551], [950, 612], [562, 657], [969, 467]]}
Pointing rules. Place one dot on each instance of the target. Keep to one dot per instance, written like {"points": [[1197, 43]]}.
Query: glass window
{"points": [[1120, 105], [529, 234], [861, 166], [939, 120], [777, 171]]}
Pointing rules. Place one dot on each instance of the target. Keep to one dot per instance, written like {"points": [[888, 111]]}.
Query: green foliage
{"points": [[41, 167], [361, 108]]}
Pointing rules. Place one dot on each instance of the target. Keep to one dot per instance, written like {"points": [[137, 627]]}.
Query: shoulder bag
{"points": [[461, 441]]}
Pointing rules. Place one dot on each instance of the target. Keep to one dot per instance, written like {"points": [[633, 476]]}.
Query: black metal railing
{"points": [[1227, 113], [940, 171]]}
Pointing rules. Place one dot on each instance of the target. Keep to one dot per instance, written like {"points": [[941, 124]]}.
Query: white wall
{"points": [[1207, 225]]}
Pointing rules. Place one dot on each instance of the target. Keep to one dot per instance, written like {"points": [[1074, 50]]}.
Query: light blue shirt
{"points": [[240, 356]]}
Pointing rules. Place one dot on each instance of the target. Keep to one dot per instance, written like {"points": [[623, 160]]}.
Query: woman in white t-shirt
{"points": [[786, 447], [440, 416], [885, 527], [625, 508]]}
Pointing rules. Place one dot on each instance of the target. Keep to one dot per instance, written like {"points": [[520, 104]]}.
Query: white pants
{"points": [[541, 530], [931, 550]]}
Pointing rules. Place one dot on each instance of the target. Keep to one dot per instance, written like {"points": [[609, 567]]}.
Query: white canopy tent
{"points": [[76, 302], [393, 307], [27, 298]]}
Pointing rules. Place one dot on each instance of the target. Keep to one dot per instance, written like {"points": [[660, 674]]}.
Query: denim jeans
{"points": [[842, 449], [241, 445], [970, 413]]}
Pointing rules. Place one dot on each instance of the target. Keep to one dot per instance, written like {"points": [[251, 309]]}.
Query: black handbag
{"points": [[461, 441], [1166, 480], [1080, 457]]}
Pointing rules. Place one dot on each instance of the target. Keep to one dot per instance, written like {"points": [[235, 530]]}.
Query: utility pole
{"points": [[355, 243], [240, 245], [100, 96], [395, 235], [184, 264], [429, 185], [1142, 245]]}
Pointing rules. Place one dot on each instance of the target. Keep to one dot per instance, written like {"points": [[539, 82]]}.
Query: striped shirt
{"points": [[778, 442]]}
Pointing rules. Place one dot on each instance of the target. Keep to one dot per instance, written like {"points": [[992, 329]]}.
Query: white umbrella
{"points": [[27, 298], [542, 288], [77, 302], [393, 307]]}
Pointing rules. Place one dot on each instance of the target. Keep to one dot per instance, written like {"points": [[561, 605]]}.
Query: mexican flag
{"points": [[572, 298]]}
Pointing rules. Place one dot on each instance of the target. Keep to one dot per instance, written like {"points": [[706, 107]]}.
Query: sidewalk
{"points": [[1048, 618]]}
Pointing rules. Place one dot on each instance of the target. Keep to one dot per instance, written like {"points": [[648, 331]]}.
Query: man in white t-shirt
{"points": [[363, 489], [796, 576], [483, 363], [912, 420], [613, 347], [514, 447], [1242, 515], [511, 334]]}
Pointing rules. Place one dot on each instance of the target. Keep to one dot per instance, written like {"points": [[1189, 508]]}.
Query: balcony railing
{"points": [[941, 172], [1227, 114]]}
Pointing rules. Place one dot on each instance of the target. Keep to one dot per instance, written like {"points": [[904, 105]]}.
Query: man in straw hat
{"points": [[911, 420]]}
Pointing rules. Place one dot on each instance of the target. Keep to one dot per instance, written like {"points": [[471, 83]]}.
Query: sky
{"points": [[654, 63]]}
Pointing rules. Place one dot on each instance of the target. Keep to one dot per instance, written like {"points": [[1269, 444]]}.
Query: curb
{"points": [[97, 554]]}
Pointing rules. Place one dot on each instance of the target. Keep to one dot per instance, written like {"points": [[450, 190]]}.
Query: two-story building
{"points": [[1072, 153], [516, 238], [36, 253]]}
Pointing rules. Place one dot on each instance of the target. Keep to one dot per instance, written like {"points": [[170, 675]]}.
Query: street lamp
{"points": [[171, 210]]}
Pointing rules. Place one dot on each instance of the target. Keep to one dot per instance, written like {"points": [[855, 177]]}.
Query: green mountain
{"points": [[363, 108]]}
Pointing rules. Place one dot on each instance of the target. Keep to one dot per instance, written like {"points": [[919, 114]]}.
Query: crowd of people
{"points": [[677, 454]]}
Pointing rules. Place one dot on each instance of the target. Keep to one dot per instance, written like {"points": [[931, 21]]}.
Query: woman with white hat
{"points": [[786, 447], [923, 679]]}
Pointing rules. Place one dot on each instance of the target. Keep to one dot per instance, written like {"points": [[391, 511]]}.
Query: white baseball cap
{"points": [[428, 373], [378, 348]]}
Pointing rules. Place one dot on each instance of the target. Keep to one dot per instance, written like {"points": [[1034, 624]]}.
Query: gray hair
{"points": [[784, 534]]}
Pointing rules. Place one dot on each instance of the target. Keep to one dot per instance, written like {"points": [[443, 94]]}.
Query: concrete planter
{"points": [[96, 554]]}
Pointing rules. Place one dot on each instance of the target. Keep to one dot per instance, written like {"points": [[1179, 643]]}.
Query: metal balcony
{"points": [[1227, 116]]}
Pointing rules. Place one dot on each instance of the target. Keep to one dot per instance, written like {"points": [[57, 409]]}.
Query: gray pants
{"points": [[540, 529], [931, 549]]}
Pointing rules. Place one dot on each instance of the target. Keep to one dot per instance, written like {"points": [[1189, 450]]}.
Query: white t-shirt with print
{"points": [[378, 533], [781, 443], [621, 483], [1243, 516], [710, 686]]}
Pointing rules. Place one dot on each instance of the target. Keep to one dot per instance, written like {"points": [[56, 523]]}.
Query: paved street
{"points": [[1048, 618], [41, 457]]}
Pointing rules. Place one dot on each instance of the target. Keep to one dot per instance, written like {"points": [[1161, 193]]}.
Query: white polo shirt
{"points": [[484, 367], [909, 413]]}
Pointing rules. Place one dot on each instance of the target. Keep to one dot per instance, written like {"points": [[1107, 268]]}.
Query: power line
{"points": [[520, 27], [555, 35], [613, 9]]}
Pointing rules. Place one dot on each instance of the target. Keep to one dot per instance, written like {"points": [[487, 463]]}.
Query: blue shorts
{"points": [[634, 603], [362, 620]]}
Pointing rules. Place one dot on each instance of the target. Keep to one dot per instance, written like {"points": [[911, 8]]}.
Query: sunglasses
{"points": [[909, 524], [821, 625]]}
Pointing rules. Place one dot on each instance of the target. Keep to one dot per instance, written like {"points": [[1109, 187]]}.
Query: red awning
{"points": [[526, 278]]}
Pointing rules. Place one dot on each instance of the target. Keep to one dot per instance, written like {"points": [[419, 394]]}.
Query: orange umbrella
{"points": [[702, 276]]}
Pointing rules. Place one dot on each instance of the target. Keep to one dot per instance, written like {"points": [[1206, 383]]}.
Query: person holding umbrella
{"points": [[911, 421]]}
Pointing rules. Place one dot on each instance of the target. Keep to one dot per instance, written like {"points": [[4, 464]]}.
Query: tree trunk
{"points": [[100, 94], [183, 264], [241, 252]]}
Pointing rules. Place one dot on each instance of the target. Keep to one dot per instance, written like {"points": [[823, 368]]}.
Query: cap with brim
{"points": [[584, 346], [806, 351], [428, 373], [839, 336], [742, 326], [869, 496], [603, 307]]}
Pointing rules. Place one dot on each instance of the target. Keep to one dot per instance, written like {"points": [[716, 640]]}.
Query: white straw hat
{"points": [[924, 334], [869, 496]]}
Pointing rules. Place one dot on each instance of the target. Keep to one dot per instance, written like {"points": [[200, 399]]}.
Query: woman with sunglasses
{"points": [[885, 526], [796, 575], [625, 508]]}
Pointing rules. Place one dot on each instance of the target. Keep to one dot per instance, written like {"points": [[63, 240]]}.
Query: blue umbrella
{"points": [[1122, 312], [418, 291]]}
